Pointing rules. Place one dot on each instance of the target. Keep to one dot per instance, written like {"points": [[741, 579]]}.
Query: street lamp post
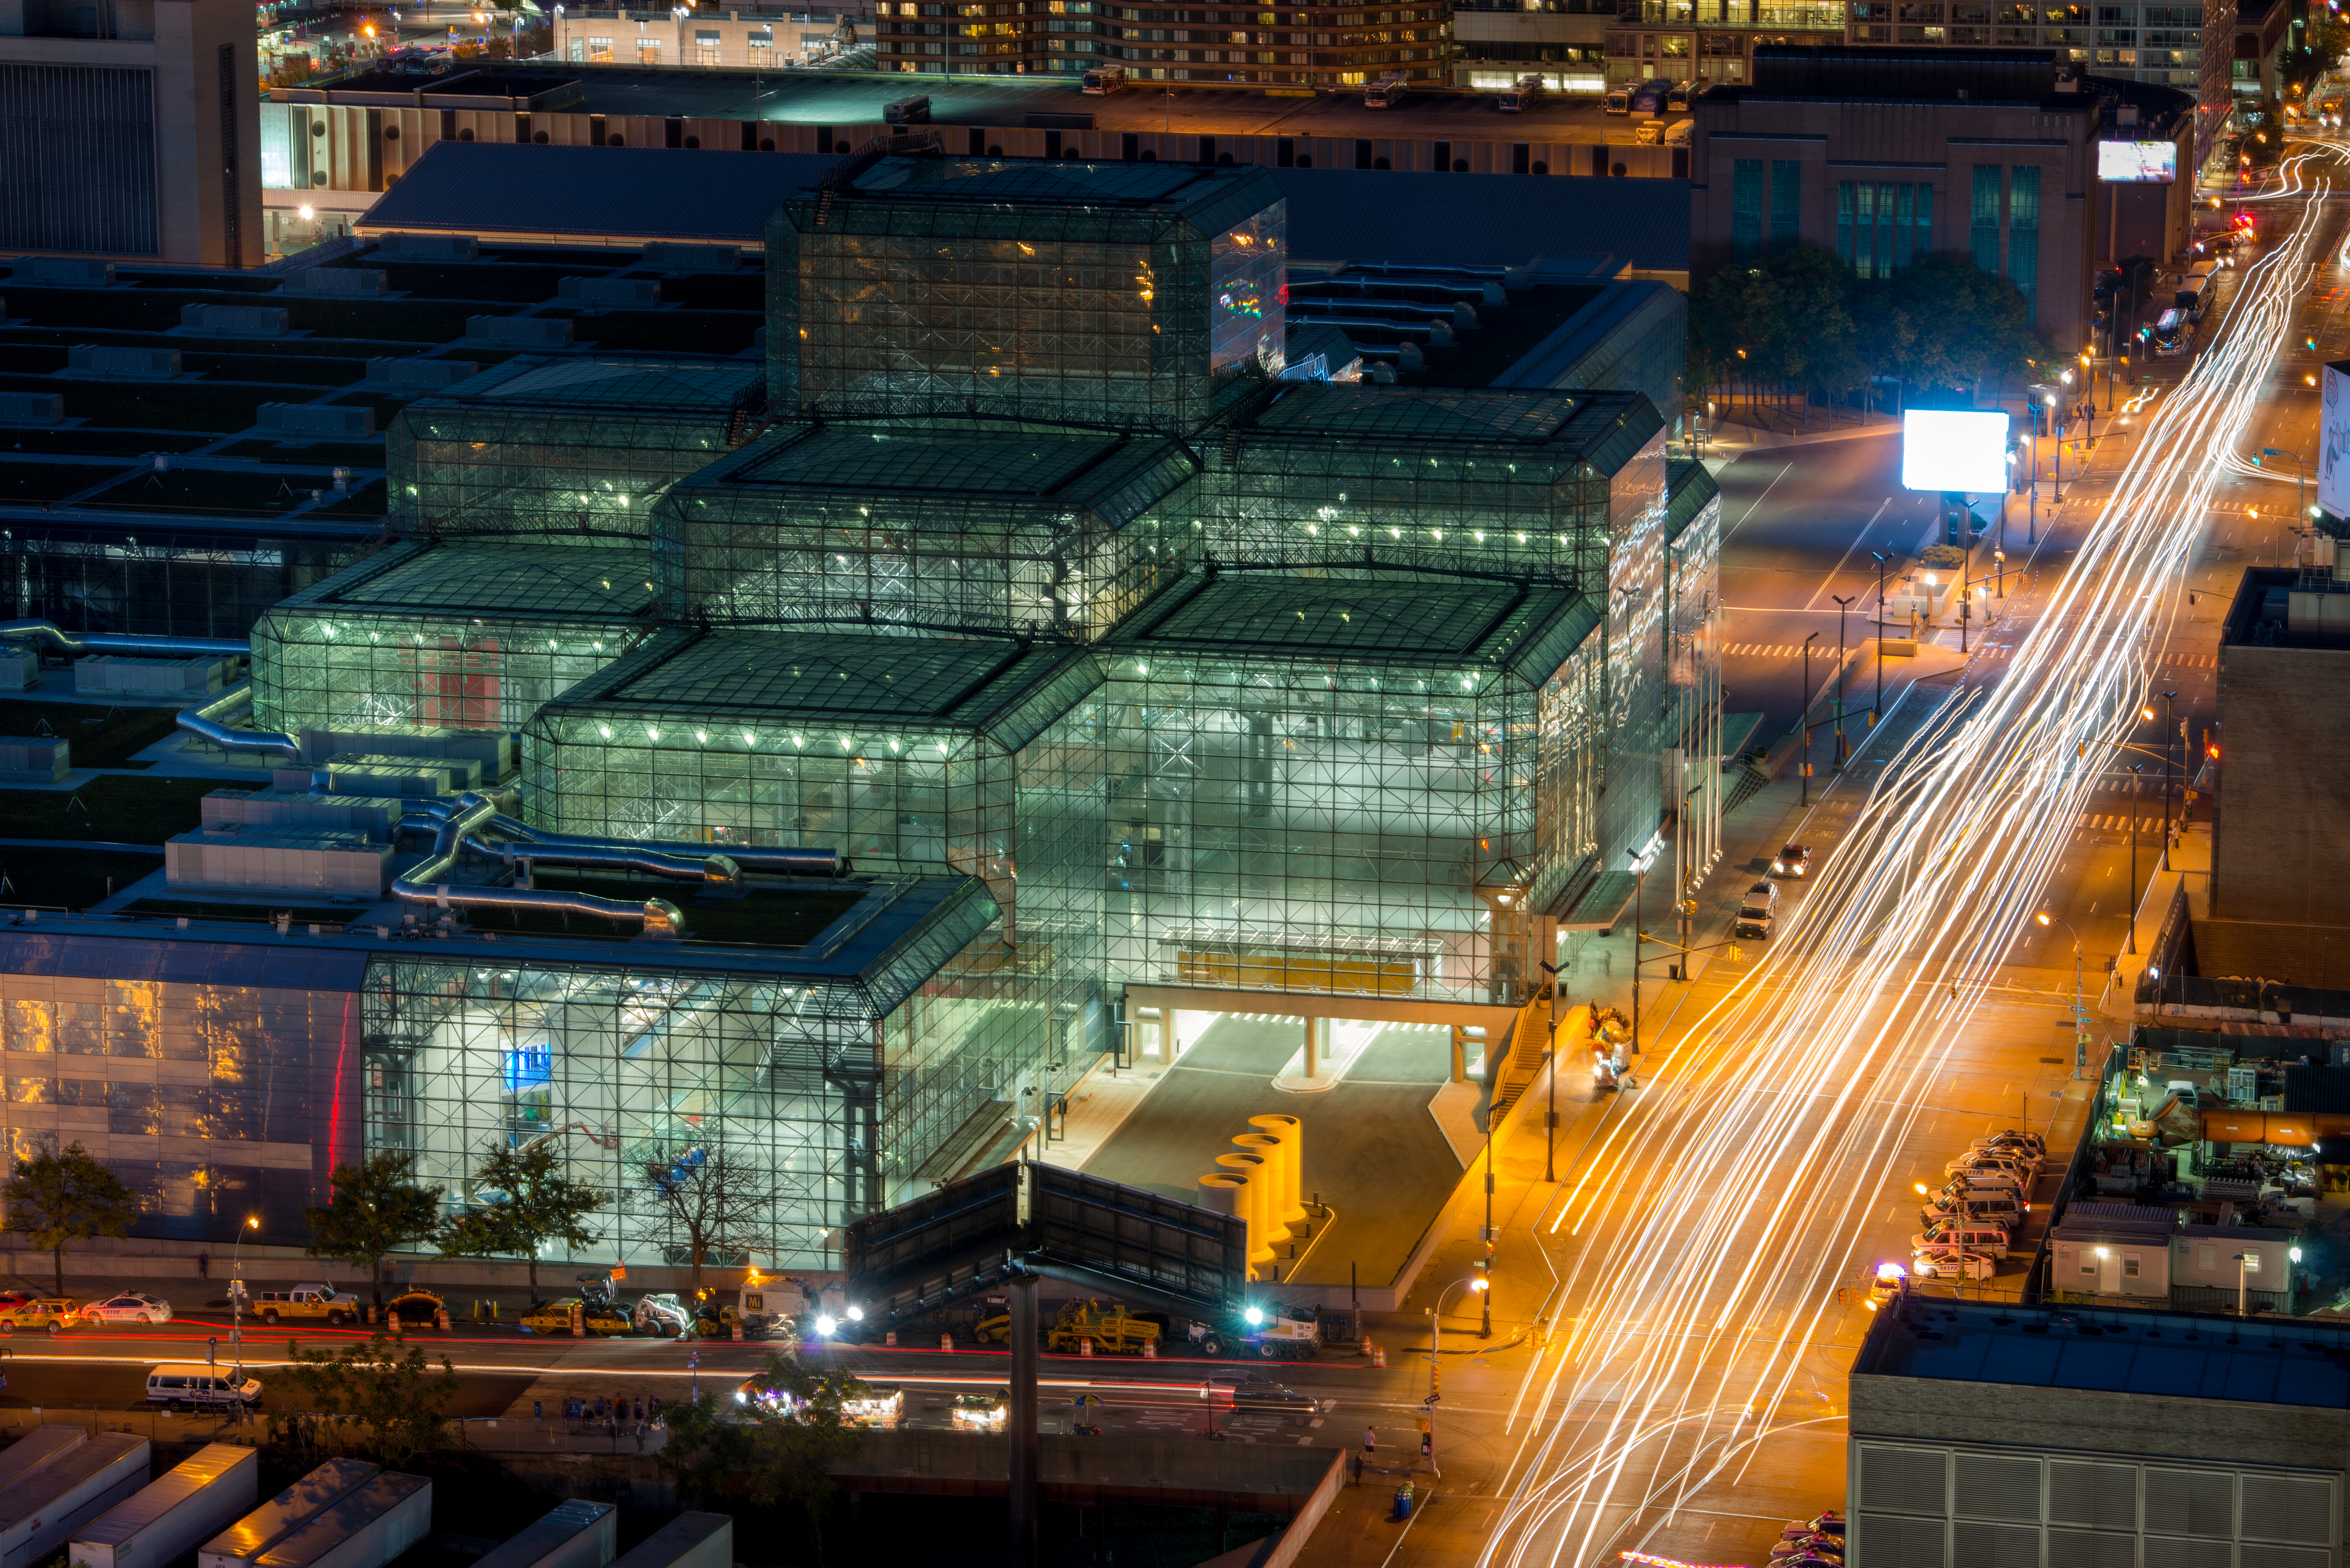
{"points": [[2056, 430], [1876, 708], [2079, 1013], [2167, 698], [236, 1295], [1807, 754], [1550, 1058], [2130, 910], [1843, 750]]}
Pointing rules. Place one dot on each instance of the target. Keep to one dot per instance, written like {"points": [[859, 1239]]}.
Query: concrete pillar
{"points": [[1170, 1040], [1292, 1134], [1025, 1468], [1256, 1187], [1460, 1054], [1313, 1049]]}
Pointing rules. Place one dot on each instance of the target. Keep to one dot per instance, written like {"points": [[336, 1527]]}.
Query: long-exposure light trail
{"points": [[1729, 1202]]}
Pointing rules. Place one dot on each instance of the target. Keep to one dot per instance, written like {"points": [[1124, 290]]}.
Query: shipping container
{"points": [[575, 1535], [689, 1540], [40, 1513], [41, 757], [41, 1446], [242, 1543], [185, 1507], [365, 1529]]}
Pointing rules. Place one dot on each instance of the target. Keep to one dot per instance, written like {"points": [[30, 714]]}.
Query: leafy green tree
{"points": [[383, 1398], [531, 1202], [64, 1195], [771, 1455], [377, 1210]]}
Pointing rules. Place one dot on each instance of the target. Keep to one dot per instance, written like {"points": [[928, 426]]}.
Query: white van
{"points": [[1680, 133], [1988, 1240], [191, 1385]]}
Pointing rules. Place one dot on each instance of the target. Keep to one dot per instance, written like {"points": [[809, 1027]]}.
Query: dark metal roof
{"points": [[631, 192], [1335, 214], [1688, 487]]}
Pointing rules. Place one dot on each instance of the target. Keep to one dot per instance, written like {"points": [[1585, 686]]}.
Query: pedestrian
{"points": [[603, 1407], [639, 1407], [537, 1410], [203, 1265], [1355, 1463], [1370, 1444]]}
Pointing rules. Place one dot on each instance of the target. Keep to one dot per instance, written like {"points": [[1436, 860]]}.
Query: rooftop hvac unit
{"points": [[428, 248], [66, 272], [531, 331], [318, 419], [234, 320], [611, 290], [671, 256], [418, 375], [336, 280], [124, 364], [31, 408]]}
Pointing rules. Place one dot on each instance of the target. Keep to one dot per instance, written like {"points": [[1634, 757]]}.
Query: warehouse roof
{"points": [[595, 194], [2119, 1350], [563, 580]]}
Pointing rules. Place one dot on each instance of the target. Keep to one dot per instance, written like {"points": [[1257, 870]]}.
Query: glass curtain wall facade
{"points": [[1693, 670], [160, 581], [579, 449], [1312, 780], [1135, 294], [825, 1096], [994, 526], [431, 636]]}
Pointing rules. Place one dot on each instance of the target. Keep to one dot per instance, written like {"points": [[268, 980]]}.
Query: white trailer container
{"points": [[689, 1540], [242, 1543], [575, 1535], [365, 1529], [41, 1446], [20, 669], [40, 1513], [185, 1507]]}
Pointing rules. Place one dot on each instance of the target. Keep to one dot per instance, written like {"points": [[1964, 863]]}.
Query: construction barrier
{"points": [[889, 1339], [440, 1318], [1380, 1359], [1086, 1345], [1149, 1350], [579, 1320], [946, 1343], [734, 1330]]}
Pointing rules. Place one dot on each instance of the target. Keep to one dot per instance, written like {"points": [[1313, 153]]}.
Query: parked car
{"points": [[1794, 860], [53, 1313], [1951, 1264], [1991, 1240], [131, 1306], [303, 1301], [193, 1385], [415, 1305]]}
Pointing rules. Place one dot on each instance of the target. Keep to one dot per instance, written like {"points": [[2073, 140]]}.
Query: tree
{"points": [[532, 1203], [700, 1198], [62, 1196], [377, 1209], [388, 1402], [771, 1454]]}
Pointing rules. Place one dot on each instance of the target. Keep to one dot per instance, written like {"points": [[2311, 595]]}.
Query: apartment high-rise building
{"points": [[128, 128]]}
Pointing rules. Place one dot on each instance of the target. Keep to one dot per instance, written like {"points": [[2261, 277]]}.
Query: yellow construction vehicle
{"points": [[1113, 1329]]}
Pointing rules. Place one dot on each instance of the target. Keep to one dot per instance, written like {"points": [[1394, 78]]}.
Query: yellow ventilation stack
{"points": [[1291, 1195], [1255, 1196]]}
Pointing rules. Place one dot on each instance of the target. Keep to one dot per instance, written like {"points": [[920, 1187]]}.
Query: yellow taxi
{"points": [[53, 1313]]}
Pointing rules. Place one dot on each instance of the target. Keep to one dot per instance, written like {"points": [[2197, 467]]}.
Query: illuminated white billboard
{"points": [[2137, 162], [1962, 449], [2333, 442]]}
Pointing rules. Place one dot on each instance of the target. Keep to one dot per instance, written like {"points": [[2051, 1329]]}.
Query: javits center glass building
{"points": [[1109, 648]]}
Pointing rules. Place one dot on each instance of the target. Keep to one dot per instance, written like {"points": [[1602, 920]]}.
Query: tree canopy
{"points": [[377, 1209], [64, 1195], [1805, 322], [392, 1406], [772, 1454], [529, 1202]]}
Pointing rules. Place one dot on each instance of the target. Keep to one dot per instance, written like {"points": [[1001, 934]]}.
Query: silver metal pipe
{"points": [[826, 863], [717, 870], [424, 884], [119, 642], [205, 723]]}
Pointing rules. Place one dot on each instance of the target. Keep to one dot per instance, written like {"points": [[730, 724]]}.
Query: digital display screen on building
{"points": [[2334, 441], [2137, 162], [1959, 449]]}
